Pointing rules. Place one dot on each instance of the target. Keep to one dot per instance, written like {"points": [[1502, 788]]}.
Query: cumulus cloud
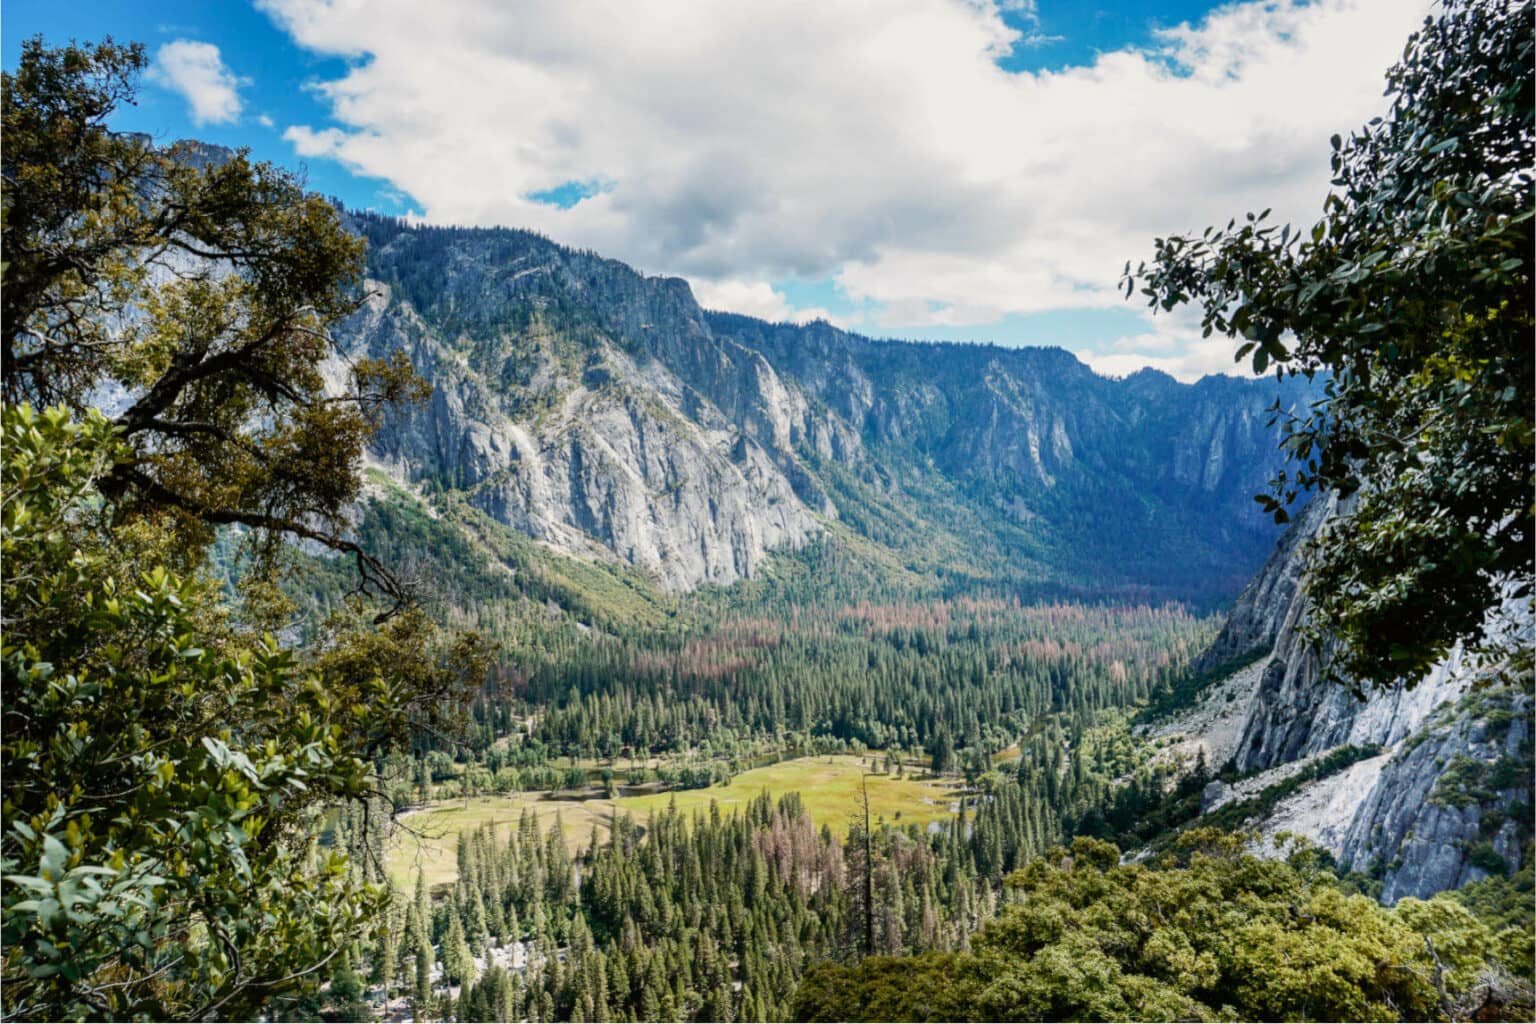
{"points": [[197, 71], [762, 300], [877, 144], [754, 298], [1171, 343]]}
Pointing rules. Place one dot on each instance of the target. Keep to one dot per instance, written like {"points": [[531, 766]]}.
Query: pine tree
{"points": [[458, 960], [421, 995]]}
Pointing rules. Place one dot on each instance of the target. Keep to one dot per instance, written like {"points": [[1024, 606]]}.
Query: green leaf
{"points": [[55, 857]]}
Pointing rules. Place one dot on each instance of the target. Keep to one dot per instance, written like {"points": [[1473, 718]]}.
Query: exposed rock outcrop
{"points": [[605, 457], [1447, 807], [1445, 801], [1261, 611], [604, 413]]}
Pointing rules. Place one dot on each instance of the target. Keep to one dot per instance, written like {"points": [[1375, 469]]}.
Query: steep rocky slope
{"points": [[605, 414], [1147, 474], [1452, 802], [1444, 800], [597, 456]]}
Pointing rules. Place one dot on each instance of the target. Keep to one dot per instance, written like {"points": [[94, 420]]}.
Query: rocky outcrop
{"points": [[1298, 712], [1297, 709], [603, 456], [1446, 799], [1452, 804], [1260, 612]]}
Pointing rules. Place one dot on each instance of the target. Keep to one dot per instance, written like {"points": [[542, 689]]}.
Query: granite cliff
{"points": [[1444, 800], [604, 414]]}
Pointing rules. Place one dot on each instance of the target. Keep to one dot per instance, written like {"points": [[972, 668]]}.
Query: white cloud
{"points": [[874, 142], [849, 322], [754, 298], [1028, 9], [762, 300], [264, 120], [197, 72], [1171, 343]]}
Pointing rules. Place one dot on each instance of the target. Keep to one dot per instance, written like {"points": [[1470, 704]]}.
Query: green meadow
{"points": [[830, 786]]}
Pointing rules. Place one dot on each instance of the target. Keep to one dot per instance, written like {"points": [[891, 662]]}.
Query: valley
{"points": [[742, 572], [830, 788], [739, 574]]}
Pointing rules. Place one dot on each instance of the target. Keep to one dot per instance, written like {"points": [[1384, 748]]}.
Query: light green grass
{"points": [[829, 787], [427, 840]]}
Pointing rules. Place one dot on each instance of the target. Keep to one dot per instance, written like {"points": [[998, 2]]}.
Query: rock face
{"points": [[1269, 600], [1446, 800], [1035, 436], [1442, 805], [1295, 713], [604, 413], [600, 457]]}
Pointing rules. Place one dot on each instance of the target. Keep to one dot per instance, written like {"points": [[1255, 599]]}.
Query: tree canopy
{"points": [[1413, 297], [191, 292], [158, 767], [1207, 933], [167, 765]]}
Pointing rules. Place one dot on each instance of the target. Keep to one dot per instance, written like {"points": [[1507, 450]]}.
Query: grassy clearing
{"points": [[429, 844], [828, 785]]}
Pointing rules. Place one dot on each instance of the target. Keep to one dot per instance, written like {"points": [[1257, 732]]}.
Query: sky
{"points": [[965, 170]]}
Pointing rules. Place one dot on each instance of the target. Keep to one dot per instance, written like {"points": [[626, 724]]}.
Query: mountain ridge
{"points": [[605, 413]]}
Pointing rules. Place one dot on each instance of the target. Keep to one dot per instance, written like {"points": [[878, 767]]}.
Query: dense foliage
{"points": [[164, 769], [820, 654], [199, 292], [708, 917], [972, 673], [711, 918], [1413, 295], [166, 764], [1212, 933]]}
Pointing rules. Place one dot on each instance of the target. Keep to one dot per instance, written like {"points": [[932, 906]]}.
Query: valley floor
{"points": [[424, 839]]}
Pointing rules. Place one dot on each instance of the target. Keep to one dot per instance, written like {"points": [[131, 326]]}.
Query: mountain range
{"points": [[605, 415]]}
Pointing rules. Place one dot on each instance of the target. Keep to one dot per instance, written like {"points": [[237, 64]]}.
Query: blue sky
{"points": [[276, 74], [1061, 35], [949, 169]]}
